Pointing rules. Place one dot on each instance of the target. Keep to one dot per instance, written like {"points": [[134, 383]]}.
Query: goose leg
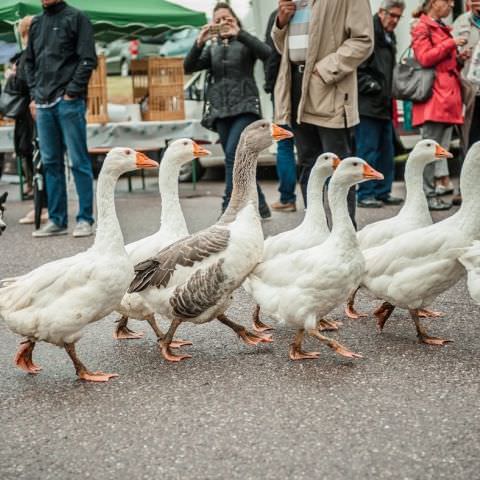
{"points": [[295, 351], [258, 325], [23, 358], [248, 337], [350, 310], [328, 325], [160, 335], [82, 371], [122, 332], [383, 313], [427, 313], [334, 345], [422, 334], [166, 343]]}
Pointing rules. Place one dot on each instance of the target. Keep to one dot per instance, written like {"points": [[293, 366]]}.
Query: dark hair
{"points": [[225, 5], [422, 8]]}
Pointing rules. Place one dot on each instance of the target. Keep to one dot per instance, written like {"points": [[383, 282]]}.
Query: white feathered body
{"points": [[300, 288], [471, 261], [54, 302], [411, 270], [244, 251]]}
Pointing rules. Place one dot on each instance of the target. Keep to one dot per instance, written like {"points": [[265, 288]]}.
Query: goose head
{"points": [[120, 160], [184, 150], [261, 134], [426, 151], [326, 164], [354, 170]]}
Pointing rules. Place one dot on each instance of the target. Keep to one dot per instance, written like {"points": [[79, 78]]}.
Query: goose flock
{"points": [[296, 277]]}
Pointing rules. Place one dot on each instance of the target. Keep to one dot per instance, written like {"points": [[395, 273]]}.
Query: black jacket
{"points": [[272, 64], [375, 76], [231, 89], [60, 53]]}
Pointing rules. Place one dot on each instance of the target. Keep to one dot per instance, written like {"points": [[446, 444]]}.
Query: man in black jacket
{"points": [[374, 134], [59, 60]]}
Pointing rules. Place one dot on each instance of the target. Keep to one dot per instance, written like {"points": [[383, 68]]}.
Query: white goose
{"points": [[312, 231], [300, 288], [411, 270], [413, 215], [172, 228], [471, 261], [54, 302], [193, 279]]}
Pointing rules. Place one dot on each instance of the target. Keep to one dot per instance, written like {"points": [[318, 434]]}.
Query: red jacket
{"points": [[434, 46]]}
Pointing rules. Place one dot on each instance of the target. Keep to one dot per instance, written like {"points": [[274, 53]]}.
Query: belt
{"points": [[298, 67]]}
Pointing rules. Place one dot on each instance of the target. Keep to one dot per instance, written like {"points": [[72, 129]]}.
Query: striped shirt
{"points": [[298, 32]]}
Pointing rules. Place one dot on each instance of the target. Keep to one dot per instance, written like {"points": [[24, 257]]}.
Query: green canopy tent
{"points": [[112, 18]]}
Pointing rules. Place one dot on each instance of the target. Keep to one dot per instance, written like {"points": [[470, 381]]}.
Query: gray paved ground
{"points": [[405, 411]]}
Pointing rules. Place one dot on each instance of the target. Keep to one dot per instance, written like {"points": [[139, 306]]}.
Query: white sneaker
{"points": [[50, 230], [82, 229]]}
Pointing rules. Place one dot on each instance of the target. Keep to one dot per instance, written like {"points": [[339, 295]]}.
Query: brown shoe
{"points": [[284, 207]]}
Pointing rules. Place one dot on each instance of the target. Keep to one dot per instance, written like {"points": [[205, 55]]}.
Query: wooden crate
{"points": [[4, 121], [158, 86], [97, 99]]}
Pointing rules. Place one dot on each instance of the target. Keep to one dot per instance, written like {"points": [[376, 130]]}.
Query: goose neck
{"points": [[469, 213], [342, 226], [315, 213], [171, 215], [108, 236], [415, 197]]}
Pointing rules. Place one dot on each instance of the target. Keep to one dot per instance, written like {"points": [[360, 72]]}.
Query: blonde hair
{"points": [[422, 8], [24, 26]]}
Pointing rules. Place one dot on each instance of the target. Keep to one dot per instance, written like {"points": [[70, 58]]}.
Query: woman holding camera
{"points": [[232, 101]]}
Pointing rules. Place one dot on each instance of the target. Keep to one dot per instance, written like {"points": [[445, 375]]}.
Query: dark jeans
{"points": [[60, 126], [286, 169], [312, 141], [475, 128], [229, 130], [374, 142]]}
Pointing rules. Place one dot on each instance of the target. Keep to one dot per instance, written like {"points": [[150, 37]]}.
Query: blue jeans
{"points": [[229, 130], [286, 169], [374, 140], [59, 127]]}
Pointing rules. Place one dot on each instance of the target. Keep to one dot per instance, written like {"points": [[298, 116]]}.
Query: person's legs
{"points": [[286, 169], [440, 133], [74, 129], [52, 153], [368, 135], [230, 132], [385, 163], [475, 128]]}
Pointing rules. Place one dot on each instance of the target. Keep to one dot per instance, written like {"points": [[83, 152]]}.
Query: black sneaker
{"points": [[435, 203], [265, 212], [369, 203], [390, 200]]}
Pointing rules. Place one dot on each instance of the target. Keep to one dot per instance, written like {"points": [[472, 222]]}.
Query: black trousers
{"points": [[475, 128], [312, 141]]}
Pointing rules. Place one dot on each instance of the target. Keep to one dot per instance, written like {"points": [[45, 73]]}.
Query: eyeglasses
{"points": [[394, 16]]}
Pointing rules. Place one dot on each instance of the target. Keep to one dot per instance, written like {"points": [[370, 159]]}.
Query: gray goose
{"points": [[193, 279]]}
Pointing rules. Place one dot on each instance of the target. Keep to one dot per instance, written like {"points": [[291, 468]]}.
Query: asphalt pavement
{"points": [[405, 411]]}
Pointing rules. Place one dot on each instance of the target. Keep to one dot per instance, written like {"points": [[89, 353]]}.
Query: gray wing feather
{"points": [[157, 271], [202, 291]]}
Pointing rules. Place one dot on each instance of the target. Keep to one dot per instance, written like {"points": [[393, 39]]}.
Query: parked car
{"points": [[177, 43]]}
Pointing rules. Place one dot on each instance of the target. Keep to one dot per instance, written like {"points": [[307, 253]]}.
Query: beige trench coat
{"points": [[340, 39]]}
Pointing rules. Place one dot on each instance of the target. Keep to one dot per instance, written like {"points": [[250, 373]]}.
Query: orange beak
{"points": [[336, 162], [440, 153], [371, 173], [279, 133], [143, 161], [199, 151]]}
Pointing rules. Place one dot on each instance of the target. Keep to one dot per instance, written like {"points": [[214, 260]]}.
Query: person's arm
{"points": [[367, 83], [198, 58], [87, 58], [258, 48], [355, 49], [427, 54], [30, 61]]}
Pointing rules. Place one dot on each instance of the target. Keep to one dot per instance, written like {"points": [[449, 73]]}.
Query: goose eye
{"points": [[185, 143], [128, 152], [355, 164]]}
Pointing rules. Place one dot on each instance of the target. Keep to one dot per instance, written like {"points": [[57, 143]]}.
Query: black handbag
{"points": [[13, 103], [411, 81]]}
